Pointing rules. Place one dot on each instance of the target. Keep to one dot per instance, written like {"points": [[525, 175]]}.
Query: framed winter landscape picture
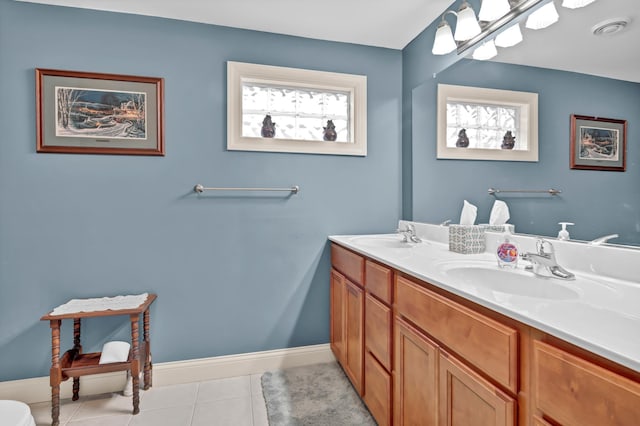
{"points": [[94, 113], [598, 143]]}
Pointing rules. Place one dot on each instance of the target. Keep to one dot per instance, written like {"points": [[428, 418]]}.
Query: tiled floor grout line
{"points": [[195, 402], [253, 411]]}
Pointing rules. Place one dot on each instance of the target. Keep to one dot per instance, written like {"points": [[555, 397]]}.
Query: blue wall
{"points": [[598, 202], [233, 274]]}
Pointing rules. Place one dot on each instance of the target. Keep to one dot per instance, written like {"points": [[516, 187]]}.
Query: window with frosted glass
{"points": [[485, 124], [298, 113]]}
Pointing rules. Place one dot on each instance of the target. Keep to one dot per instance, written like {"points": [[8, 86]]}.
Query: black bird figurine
{"points": [[329, 133], [463, 140], [268, 127], [509, 141]]}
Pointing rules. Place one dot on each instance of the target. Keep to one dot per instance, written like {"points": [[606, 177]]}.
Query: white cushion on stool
{"points": [[15, 413]]}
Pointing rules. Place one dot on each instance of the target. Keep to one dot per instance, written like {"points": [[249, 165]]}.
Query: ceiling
{"points": [[570, 45], [379, 23], [567, 45]]}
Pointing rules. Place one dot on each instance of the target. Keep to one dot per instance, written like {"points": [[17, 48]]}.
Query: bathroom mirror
{"points": [[600, 202]]}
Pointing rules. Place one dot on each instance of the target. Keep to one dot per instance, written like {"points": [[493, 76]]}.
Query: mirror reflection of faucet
{"points": [[564, 234], [543, 263], [409, 233], [602, 240]]}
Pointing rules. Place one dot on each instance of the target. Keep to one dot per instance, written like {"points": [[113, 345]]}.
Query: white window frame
{"points": [[355, 85], [527, 102]]}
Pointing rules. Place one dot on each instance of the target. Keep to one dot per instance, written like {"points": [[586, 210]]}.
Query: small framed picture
{"points": [[94, 113], [598, 143]]}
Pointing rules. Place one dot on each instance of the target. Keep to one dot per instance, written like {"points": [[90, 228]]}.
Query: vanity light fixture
{"points": [[469, 32], [575, 4], [509, 37], [543, 17], [490, 10], [467, 27]]}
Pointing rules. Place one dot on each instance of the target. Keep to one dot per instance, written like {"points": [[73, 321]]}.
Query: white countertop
{"points": [[604, 318]]}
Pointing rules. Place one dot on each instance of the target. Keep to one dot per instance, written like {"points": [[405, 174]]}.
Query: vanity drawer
{"points": [[377, 390], [571, 390], [348, 262], [379, 281], [483, 342], [377, 333]]}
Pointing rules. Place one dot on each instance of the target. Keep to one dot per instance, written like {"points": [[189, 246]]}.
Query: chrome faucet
{"points": [[545, 260], [602, 240], [409, 233]]}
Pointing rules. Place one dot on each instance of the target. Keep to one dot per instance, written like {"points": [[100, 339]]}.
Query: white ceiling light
{"points": [[543, 17], [509, 37], [467, 25], [490, 10], [444, 42], [485, 51], [575, 4]]}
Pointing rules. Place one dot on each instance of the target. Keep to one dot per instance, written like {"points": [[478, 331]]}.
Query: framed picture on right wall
{"points": [[598, 143]]}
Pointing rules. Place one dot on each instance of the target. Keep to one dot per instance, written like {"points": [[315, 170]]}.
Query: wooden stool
{"points": [[76, 364]]}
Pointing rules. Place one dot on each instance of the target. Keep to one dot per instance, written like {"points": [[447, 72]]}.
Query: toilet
{"points": [[15, 413]]}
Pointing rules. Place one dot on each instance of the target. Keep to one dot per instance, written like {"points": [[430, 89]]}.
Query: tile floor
{"points": [[235, 401]]}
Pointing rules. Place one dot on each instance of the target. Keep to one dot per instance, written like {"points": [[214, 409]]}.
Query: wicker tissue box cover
{"points": [[470, 239]]}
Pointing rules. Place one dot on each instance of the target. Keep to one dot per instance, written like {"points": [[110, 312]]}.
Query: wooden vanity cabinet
{"points": [[419, 355], [347, 313], [571, 390], [378, 341], [361, 327], [450, 393], [346, 338]]}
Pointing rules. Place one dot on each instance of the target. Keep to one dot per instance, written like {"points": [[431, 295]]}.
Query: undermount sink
{"points": [[487, 276], [382, 241]]}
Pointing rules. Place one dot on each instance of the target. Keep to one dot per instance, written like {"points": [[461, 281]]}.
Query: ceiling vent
{"points": [[610, 26]]}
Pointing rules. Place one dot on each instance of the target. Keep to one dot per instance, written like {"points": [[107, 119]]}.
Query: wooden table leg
{"points": [[55, 374], [135, 363], [148, 377], [77, 346]]}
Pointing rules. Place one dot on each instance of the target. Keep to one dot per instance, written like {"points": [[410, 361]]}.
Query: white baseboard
{"points": [[169, 373]]}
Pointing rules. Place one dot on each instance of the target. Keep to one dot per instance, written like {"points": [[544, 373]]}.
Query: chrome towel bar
{"points": [[493, 191], [199, 189]]}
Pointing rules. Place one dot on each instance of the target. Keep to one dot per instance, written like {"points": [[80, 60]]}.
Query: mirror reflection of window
{"points": [[486, 125]]}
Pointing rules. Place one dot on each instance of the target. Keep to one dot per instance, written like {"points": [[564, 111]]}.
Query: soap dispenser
{"points": [[507, 252], [564, 234]]}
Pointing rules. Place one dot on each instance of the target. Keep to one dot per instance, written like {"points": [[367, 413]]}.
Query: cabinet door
{"points": [[466, 399], [336, 319], [354, 319], [415, 394]]}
